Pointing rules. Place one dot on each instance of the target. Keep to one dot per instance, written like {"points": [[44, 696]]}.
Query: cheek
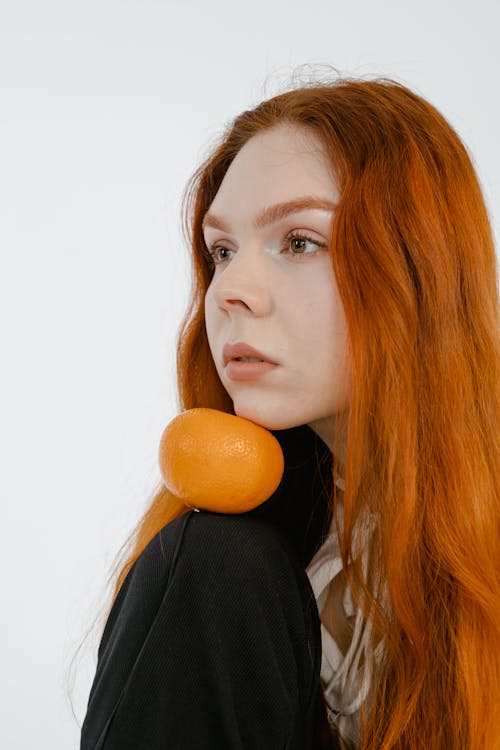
{"points": [[213, 327], [210, 317], [326, 328], [316, 316]]}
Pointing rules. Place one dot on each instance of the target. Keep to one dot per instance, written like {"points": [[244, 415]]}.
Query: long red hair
{"points": [[414, 259]]}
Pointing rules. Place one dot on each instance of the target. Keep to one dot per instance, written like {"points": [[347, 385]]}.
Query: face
{"points": [[273, 286]]}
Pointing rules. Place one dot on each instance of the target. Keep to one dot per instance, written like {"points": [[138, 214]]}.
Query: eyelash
{"points": [[286, 240]]}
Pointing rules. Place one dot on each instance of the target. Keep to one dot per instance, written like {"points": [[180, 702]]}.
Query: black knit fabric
{"points": [[214, 639]]}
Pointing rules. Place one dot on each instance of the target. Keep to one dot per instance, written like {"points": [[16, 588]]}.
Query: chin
{"points": [[265, 419]]}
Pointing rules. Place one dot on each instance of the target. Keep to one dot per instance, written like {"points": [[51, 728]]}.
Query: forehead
{"points": [[280, 164]]}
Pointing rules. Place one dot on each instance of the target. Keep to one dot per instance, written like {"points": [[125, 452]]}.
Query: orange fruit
{"points": [[219, 462]]}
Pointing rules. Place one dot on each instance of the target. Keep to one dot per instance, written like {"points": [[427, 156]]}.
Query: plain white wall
{"points": [[107, 106]]}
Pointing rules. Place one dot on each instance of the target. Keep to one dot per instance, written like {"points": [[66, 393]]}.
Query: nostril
{"points": [[238, 302]]}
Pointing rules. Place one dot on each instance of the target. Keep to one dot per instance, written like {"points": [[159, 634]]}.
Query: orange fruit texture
{"points": [[219, 462]]}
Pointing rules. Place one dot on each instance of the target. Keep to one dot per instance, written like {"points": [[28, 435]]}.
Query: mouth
{"points": [[248, 368], [243, 352]]}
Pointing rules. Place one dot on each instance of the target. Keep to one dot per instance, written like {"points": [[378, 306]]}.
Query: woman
{"points": [[339, 230]]}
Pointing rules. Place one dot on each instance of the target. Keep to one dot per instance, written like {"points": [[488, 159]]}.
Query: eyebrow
{"points": [[274, 213]]}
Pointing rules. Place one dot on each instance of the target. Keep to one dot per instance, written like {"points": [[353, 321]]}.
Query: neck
{"points": [[324, 429]]}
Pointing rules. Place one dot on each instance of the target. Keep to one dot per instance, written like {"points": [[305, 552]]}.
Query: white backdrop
{"points": [[107, 106]]}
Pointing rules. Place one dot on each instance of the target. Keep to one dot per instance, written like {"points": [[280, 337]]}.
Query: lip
{"points": [[248, 370], [241, 349]]}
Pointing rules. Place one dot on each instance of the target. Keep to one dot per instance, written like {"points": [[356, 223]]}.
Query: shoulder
{"points": [[228, 565], [202, 538], [221, 556]]}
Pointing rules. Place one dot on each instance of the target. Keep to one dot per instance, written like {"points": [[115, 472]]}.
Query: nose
{"points": [[239, 286]]}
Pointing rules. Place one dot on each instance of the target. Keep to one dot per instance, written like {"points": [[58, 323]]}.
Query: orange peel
{"points": [[219, 462]]}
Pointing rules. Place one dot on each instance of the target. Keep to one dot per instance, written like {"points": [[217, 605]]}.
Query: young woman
{"points": [[339, 230]]}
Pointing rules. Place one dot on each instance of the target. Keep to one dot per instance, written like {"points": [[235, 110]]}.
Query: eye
{"points": [[297, 237], [212, 254]]}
